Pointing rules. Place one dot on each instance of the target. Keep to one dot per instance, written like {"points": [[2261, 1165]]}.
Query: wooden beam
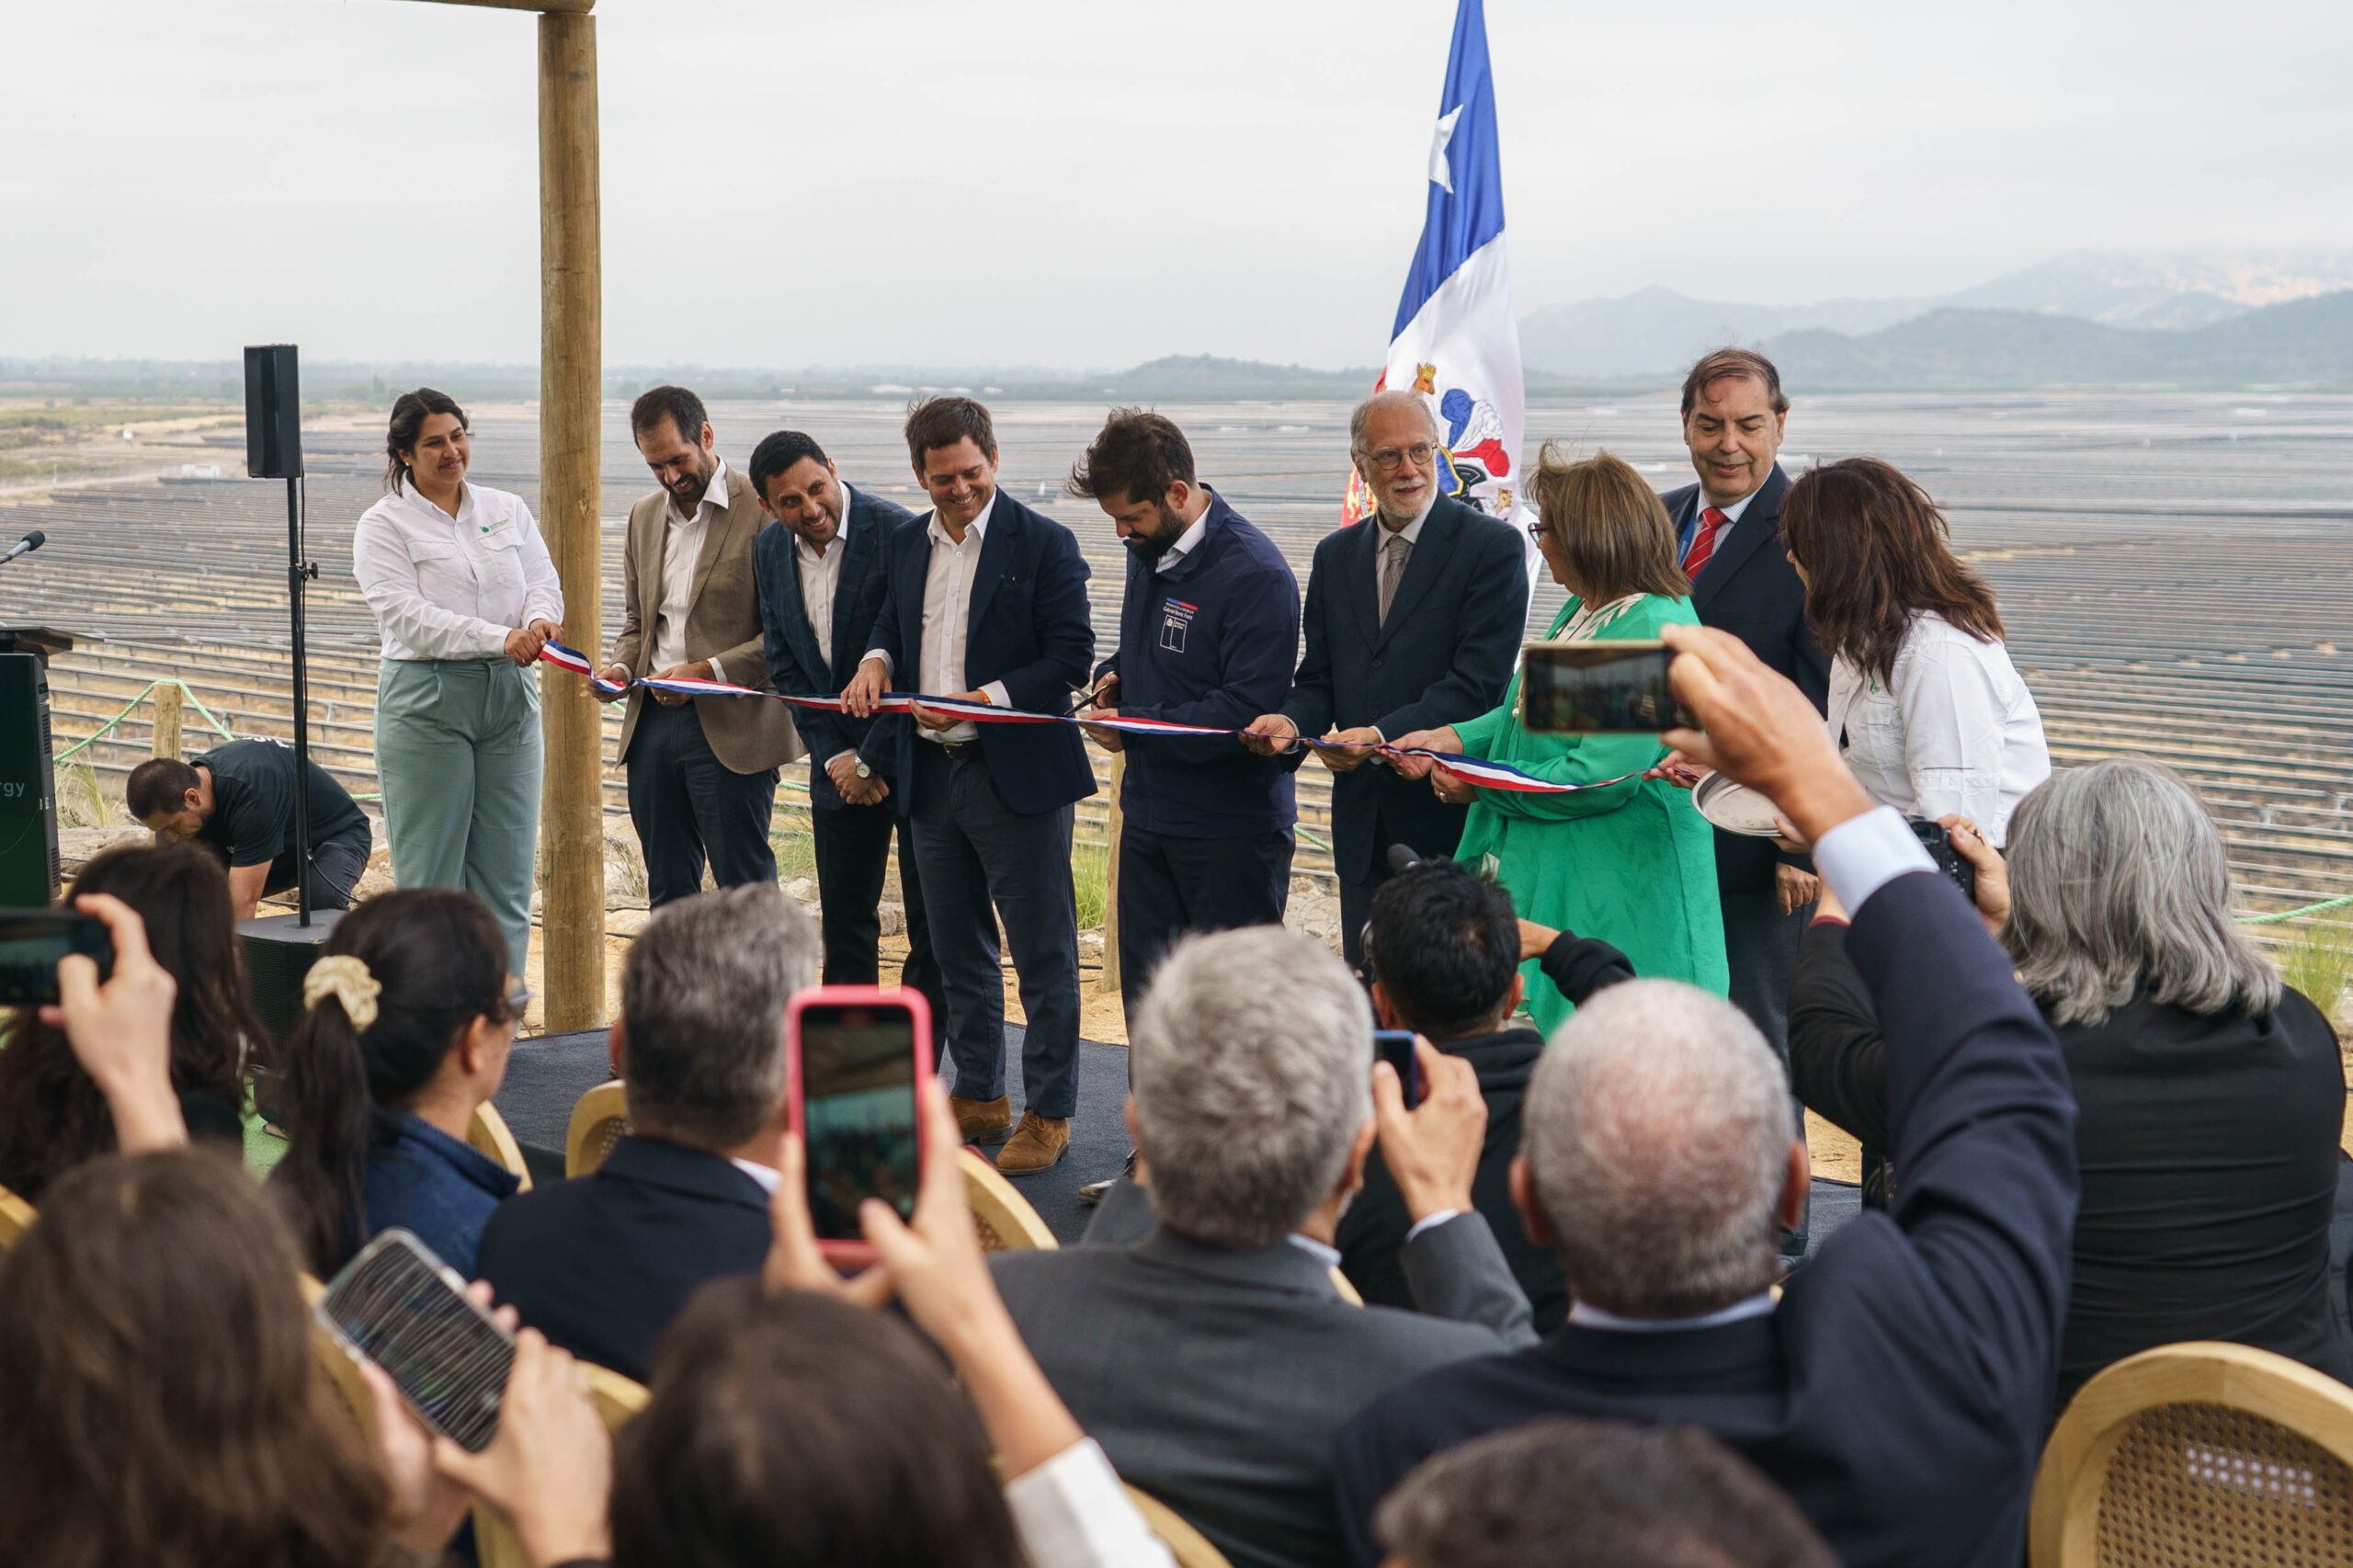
{"points": [[553, 7], [571, 808]]}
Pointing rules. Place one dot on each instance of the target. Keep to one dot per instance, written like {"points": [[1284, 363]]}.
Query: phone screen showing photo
{"points": [[858, 1094], [1580, 689], [397, 1305]]}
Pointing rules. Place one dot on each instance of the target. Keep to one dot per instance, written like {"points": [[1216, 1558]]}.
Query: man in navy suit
{"points": [[1414, 620], [1900, 1386], [1728, 528], [819, 569], [1208, 629], [986, 602]]}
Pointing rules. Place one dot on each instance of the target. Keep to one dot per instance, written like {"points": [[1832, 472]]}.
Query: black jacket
{"points": [[1749, 589], [798, 667], [2209, 1150], [1901, 1388], [1445, 654], [601, 1263], [1373, 1233]]}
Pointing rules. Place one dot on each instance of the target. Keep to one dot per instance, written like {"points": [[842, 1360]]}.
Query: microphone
{"points": [[25, 546], [1402, 856]]}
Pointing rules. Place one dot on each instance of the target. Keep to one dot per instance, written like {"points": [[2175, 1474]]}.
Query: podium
{"points": [[27, 779]]}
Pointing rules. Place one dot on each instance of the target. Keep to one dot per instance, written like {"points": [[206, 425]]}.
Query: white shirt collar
{"points": [[1413, 530], [1731, 513], [1588, 1316], [1185, 543], [768, 1177], [841, 532], [974, 532], [714, 496], [1329, 1257]]}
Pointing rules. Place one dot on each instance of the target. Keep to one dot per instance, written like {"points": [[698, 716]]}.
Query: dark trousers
{"points": [[973, 851], [1169, 886], [1761, 950], [1356, 893], [336, 870], [687, 805], [853, 861]]}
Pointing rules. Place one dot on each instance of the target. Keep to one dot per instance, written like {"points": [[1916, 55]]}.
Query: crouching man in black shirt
{"points": [[239, 799]]}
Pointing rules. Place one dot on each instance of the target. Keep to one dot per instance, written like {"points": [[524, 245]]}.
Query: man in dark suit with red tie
{"points": [[1728, 530]]}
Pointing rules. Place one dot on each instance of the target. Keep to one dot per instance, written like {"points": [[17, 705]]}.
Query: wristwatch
{"points": [[862, 770]]}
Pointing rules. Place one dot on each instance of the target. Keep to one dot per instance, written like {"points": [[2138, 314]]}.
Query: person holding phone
{"points": [[465, 595], [1630, 862]]}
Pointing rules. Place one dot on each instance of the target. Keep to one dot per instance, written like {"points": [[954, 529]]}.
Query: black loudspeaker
{"points": [[278, 954], [273, 413], [27, 786]]}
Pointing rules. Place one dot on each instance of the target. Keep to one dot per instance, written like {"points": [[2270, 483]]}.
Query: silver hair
{"points": [[703, 1012], [1251, 1065], [1374, 404], [2118, 880], [1657, 1129]]}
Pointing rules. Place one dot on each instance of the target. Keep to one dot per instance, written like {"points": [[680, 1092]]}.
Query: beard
{"points": [[1149, 547]]}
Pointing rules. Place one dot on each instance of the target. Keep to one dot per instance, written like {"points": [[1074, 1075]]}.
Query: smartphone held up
{"points": [[856, 1060], [32, 943], [397, 1305], [1584, 689]]}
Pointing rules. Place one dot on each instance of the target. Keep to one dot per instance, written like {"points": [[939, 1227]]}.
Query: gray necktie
{"points": [[1393, 550]]}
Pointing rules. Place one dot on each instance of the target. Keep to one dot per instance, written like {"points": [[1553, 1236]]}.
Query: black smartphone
{"points": [[32, 940], [1396, 1048], [855, 1067], [1586, 689], [401, 1307], [1938, 844]]}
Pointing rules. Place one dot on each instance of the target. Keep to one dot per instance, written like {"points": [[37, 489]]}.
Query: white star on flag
{"points": [[1440, 173]]}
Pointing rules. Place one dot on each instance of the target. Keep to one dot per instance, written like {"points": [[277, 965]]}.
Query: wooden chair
{"points": [[2197, 1454], [1347, 1288], [488, 1133], [617, 1400], [1001, 1216], [600, 1120], [16, 1219], [341, 1369], [1189, 1546]]}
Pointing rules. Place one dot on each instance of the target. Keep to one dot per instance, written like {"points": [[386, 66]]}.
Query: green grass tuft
{"points": [[2319, 962]]}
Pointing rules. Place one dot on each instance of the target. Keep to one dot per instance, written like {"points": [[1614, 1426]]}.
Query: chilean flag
{"points": [[1456, 340]]}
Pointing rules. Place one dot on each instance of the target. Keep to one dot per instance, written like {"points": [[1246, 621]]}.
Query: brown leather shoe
{"points": [[1038, 1143], [977, 1121]]}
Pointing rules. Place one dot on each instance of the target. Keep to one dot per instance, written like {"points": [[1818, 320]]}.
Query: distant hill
{"points": [[1653, 330], [2302, 341]]}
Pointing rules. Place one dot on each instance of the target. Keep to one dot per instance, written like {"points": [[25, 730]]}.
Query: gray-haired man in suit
{"points": [[1214, 1358]]}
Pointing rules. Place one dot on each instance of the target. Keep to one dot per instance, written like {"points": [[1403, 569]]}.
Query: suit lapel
{"points": [[1423, 564], [1759, 525], [861, 551], [997, 548], [646, 542], [720, 530], [1364, 577], [797, 629]]}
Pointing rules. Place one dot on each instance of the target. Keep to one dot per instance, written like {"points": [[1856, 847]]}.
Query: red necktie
{"points": [[1704, 543]]}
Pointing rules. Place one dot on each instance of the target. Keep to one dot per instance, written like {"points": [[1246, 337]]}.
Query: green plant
{"points": [[1090, 877], [2319, 962], [79, 801], [796, 853]]}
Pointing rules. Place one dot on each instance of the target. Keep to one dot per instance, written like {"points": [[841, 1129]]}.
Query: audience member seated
{"points": [[799, 1431], [2211, 1096], [52, 1116], [1899, 1386], [408, 1017], [1444, 948], [1572, 1494], [601, 1263], [1213, 1358]]}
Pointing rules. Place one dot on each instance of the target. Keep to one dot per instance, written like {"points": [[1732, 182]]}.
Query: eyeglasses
{"points": [[519, 996], [1389, 460], [1538, 531]]}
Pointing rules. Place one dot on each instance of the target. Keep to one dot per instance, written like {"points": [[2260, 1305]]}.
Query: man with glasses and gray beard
{"points": [[1414, 620]]}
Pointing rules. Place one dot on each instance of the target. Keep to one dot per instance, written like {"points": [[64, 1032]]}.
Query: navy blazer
{"points": [[601, 1263], [1749, 589], [1029, 627], [1901, 1388], [796, 664], [1446, 653]]}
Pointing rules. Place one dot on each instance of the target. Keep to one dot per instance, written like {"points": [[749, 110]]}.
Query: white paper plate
{"points": [[1735, 808]]}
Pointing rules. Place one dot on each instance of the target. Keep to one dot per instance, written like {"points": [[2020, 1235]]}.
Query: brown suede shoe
{"points": [[981, 1121], [1038, 1143]]}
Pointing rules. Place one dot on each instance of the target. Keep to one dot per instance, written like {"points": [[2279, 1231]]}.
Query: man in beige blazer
{"points": [[702, 770]]}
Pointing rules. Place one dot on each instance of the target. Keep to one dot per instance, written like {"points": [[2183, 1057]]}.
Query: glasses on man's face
{"points": [[1389, 460]]}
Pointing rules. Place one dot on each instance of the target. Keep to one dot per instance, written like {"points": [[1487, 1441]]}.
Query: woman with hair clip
{"points": [[465, 597], [409, 1014], [52, 1117], [1925, 703]]}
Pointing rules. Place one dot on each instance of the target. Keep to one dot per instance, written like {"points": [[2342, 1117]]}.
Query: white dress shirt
{"points": [[1732, 519], [1185, 543], [445, 588], [1586, 1316], [820, 578], [682, 544], [947, 615], [1956, 730]]}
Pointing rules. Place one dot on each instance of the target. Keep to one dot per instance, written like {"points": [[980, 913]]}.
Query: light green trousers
{"points": [[458, 753]]}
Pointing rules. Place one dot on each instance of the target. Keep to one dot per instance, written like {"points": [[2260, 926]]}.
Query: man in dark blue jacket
{"points": [[1207, 631], [1899, 1385], [819, 569], [986, 602], [1413, 619]]}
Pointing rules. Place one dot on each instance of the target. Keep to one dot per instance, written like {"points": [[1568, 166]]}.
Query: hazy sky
{"points": [[942, 182]]}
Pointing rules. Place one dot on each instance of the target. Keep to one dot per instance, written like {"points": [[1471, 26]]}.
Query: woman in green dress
{"points": [[1632, 863]]}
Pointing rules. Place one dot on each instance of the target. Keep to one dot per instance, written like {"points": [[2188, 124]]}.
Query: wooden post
{"points": [[1107, 982], [571, 808], [168, 720]]}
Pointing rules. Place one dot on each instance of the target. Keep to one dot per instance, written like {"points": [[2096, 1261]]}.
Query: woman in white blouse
{"points": [[1925, 703], [465, 597]]}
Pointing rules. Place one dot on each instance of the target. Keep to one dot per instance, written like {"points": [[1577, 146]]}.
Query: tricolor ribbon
{"points": [[1470, 769]]}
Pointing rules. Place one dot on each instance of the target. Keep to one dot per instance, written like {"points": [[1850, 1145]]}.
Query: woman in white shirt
{"points": [[465, 597], [1925, 703]]}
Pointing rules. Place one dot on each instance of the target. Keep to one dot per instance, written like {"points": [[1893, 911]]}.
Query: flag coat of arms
{"points": [[1455, 340]]}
